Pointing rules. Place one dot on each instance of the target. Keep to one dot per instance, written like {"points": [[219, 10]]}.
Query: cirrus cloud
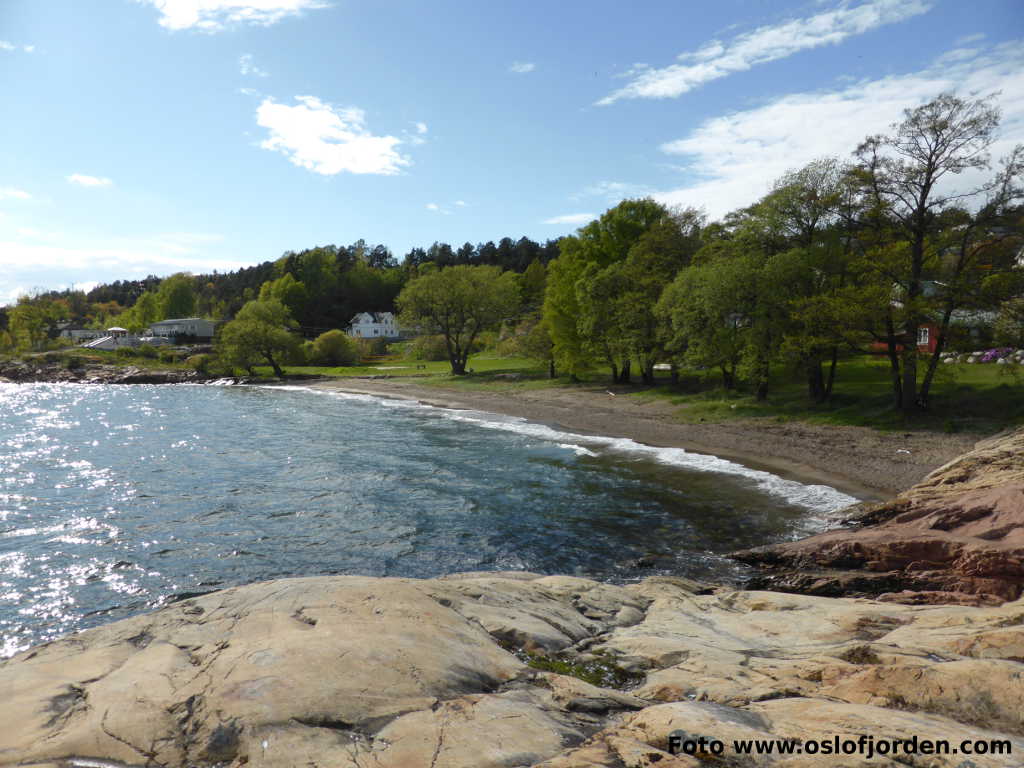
{"points": [[328, 140], [715, 59], [214, 15], [571, 218], [733, 159]]}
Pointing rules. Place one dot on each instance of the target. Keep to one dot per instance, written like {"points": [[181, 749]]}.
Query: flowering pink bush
{"points": [[991, 355]]}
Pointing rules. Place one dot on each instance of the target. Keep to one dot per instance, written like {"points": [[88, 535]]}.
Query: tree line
{"points": [[323, 288], [839, 256]]}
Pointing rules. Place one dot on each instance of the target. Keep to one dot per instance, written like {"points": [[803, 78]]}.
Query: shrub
{"points": [[371, 347], [334, 348], [125, 352], [167, 356], [146, 350], [200, 363], [427, 348], [73, 362]]}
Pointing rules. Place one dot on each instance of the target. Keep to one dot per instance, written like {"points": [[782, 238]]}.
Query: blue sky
{"points": [[153, 136]]}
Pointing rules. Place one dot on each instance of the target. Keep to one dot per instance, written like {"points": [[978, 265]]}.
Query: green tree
{"points": [[259, 332], [459, 302], [289, 291], [176, 297], [33, 321], [600, 243], [903, 177], [334, 347]]}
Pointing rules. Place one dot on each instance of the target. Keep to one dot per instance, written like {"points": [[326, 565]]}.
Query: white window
{"points": [[922, 337]]}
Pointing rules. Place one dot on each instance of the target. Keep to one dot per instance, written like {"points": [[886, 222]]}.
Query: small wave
{"points": [[823, 500]]}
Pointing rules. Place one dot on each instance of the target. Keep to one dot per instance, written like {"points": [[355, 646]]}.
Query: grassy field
{"points": [[969, 398]]}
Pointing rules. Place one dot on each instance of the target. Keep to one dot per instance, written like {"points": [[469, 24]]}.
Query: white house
{"points": [[369, 325], [186, 326]]}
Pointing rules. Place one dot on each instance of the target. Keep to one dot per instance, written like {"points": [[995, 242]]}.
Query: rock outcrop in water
{"points": [[41, 370], [487, 670], [955, 537]]}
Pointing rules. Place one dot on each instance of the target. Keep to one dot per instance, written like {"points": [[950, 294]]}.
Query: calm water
{"points": [[115, 499]]}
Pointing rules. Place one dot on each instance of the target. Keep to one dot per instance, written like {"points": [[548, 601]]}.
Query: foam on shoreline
{"points": [[823, 501]]}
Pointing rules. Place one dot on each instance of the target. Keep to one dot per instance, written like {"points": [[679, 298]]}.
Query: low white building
{"points": [[370, 325], [187, 326]]}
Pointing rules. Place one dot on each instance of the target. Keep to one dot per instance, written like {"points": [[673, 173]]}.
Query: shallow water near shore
{"points": [[116, 499]]}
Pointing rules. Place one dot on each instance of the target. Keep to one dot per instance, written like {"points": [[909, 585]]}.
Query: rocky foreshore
{"points": [[42, 370], [513, 669], [516, 669], [955, 537]]}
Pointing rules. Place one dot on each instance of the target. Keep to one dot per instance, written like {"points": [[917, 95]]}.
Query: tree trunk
{"points": [[615, 371], [273, 364], [815, 380], [832, 372], [674, 373], [933, 362], [894, 362], [624, 372], [551, 368], [728, 377], [647, 373], [909, 362]]}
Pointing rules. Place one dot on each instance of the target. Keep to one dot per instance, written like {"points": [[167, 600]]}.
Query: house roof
{"points": [[179, 320]]}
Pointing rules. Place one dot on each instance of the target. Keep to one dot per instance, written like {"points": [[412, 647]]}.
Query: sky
{"points": [[146, 137]]}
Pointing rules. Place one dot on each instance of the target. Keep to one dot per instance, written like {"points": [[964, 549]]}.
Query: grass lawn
{"points": [[970, 398]]}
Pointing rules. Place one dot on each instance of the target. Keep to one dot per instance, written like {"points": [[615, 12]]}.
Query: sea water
{"points": [[116, 499]]}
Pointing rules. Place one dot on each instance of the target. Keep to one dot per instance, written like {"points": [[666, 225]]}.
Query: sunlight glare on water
{"points": [[116, 499]]}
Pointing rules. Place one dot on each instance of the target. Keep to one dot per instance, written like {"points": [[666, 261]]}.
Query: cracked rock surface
{"points": [[481, 670]]}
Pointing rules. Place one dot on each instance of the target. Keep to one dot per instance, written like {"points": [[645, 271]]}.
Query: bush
{"points": [[200, 363], [333, 348], [73, 362], [125, 352], [146, 350], [167, 356], [371, 347], [427, 348]]}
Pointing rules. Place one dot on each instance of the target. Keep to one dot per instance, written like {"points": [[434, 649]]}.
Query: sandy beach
{"points": [[857, 460]]}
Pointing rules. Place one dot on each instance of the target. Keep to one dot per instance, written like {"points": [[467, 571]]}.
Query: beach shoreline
{"points": [[865, 463]]}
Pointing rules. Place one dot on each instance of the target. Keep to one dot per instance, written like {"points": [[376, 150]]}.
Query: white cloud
{"points": [[89, 181], [14, 193], [522, 67], [734, 159], [214, 15], [246, 66], [715, 59], [326, 139], [53, 266], [460, 203], [433, 207], [421, 128], [571, 218], [8, 46], [613, 190], [248, 92]]}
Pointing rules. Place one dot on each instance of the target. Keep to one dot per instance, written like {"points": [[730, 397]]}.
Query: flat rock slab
{"points": [[484, 670]]}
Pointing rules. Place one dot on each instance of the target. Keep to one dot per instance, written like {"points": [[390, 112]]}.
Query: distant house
{"points": [[193, 327], [966, 324], [369, 325], [78, 334]]}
